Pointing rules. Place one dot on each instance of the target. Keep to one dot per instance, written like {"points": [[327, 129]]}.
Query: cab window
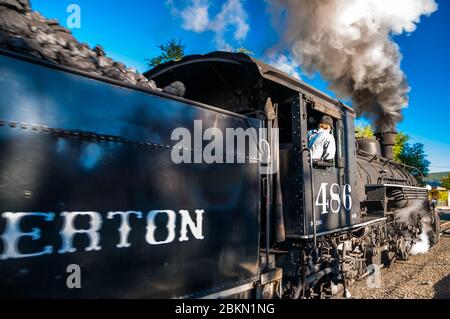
{"points": [[321, 143]]}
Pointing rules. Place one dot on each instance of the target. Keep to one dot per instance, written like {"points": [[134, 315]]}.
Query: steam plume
{"points": [[349, 42]]}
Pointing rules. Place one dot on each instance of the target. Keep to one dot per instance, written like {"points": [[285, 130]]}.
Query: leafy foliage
{"points": [[363, 131], [173, 50], [446, 181], [443, 197], [414, 155], [400, 140], [244, 50]]}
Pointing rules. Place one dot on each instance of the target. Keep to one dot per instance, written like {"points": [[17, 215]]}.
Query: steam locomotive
{"points": [[88, 182]]}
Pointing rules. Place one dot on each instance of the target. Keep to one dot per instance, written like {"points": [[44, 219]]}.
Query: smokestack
{"points": [[387, 142]]}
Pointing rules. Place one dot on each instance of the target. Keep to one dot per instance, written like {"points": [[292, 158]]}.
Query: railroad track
{"points": [[445, 228]]}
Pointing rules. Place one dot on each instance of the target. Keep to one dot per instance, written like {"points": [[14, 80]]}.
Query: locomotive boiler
{"points": [[87, 177]]}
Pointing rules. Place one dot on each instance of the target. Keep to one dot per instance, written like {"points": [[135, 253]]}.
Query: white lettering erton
{"points": [[124, 228], [151, 227], [196, 229], [166, 220], [68, 231], [13, 234]]}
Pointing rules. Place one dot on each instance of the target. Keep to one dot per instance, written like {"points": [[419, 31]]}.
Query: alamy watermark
{"points": [[74, 19], [229, 146], [74, 278]]}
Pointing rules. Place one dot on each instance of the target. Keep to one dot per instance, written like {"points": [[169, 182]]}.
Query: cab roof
{"points": [[265, 71]]}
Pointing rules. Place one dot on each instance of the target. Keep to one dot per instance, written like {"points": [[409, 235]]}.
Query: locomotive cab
{"points": [[317, 197]]}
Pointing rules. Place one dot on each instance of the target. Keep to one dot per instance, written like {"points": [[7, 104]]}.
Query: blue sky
{"points": [[130, 30]]}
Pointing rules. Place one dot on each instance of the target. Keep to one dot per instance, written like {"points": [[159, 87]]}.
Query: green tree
{"points": [[244, 50], [443, 197], [363, 131], [414, 155], [400, 140], [173, 50], [446, 181]]}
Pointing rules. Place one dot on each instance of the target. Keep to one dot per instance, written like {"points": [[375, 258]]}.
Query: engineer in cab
{"points": [[321, 141]]}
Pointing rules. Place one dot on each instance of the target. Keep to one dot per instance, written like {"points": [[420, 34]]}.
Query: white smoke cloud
{"points": [[350, 43], [423, 244], [196, 16], [285, 64]]}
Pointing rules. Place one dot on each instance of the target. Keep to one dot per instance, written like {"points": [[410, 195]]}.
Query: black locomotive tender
{"points": [[86, 178]]}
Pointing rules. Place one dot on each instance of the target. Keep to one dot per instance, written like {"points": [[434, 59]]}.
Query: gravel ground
{"points": [[424, 276]]}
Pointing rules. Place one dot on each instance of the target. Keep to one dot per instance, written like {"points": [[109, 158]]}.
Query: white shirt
{"points": [[323, 144]]}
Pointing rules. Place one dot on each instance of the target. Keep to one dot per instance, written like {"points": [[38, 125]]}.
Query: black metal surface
{"points": [[369, 145], [387, 142], [86, 145], [300, 194], [378, 170]]}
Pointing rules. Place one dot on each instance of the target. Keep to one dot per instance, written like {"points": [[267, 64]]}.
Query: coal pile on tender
{"points": [[27, 32]]}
